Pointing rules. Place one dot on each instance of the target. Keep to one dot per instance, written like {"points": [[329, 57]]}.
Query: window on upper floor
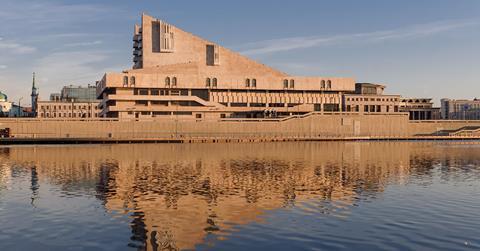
{"points": [[207, 82], [247, 82], [292, 83], [125, 81], [322, 84], [285, 83], [329, 84], [254, 82], [212, 55], [214, 82], [167, 81], [132, 81], [174, 81]]}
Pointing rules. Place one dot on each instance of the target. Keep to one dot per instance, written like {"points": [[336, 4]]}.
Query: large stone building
{"points": [[178, 74], [460, 109], [71, 102]]}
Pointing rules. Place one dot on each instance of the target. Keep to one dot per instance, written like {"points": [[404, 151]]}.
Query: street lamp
{"points": [[20, 107]]}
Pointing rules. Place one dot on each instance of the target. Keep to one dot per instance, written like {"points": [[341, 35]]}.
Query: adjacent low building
{"points": [[460, 109], [370, 98], [71, 102], [420, 108]]}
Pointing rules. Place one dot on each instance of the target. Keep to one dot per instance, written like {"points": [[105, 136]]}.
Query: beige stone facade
{"points": [[67, 110]]}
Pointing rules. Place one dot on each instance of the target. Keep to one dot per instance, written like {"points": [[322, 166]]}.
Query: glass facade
{"points": [[78, 94]]}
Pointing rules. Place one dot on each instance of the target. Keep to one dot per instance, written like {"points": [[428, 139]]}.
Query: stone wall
{"points": [[312, 126]]}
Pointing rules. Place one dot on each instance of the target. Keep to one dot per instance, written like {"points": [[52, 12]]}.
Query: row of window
{"points": [[65, 107], [125, 81], [370, 108], [158, 92], [291, 84], [285, 83], [374, 99], [211, 82], [67, 115], [252, 83], [171, 81]]}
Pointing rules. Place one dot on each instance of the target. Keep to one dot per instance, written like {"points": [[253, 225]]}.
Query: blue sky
{"points": [[418, 48]]}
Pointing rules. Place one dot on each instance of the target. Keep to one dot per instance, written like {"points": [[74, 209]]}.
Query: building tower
{"points": [[34, 97]]}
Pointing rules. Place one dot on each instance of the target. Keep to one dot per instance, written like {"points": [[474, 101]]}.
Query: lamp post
{"points": [[20, 107]]}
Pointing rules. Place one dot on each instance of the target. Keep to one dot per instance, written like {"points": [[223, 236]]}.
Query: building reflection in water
{"points": [[178, 195]]}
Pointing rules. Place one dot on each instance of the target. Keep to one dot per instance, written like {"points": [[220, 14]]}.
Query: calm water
{"points": [[273, 196]]}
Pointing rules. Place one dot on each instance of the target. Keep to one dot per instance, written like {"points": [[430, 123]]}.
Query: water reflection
{"points": [[178, 196]]}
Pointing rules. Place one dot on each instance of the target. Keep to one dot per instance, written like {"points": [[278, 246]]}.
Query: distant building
{"points": [[5, 105], [462, 109], [67, 110], [78, 93], [420, 108], [55, 97], [71, 102]]}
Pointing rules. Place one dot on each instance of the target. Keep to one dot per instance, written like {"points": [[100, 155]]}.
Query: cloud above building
{"points": [[15, 47], [411, 32]]}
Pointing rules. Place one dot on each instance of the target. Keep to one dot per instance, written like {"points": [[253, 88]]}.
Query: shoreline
{"points": [[80, 141]]}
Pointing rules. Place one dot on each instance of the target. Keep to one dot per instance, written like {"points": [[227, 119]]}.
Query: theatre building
{"points": [[177, 74]]}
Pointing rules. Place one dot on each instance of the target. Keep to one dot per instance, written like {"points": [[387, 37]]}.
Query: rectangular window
{"points": [[162, 103], [182, 113], [141, 102], [238, 104], [212, 55]]}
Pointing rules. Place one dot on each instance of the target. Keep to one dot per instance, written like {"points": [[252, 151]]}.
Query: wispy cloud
{"points": [[294, 43], [2, 66], [84, 44], [45, 12], [60, 67], [14, 47]]}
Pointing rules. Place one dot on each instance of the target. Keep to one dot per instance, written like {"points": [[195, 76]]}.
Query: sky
{"points": [[418, 48]]}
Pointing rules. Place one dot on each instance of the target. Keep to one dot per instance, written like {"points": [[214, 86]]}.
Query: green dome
{"points": [[3, 97]]}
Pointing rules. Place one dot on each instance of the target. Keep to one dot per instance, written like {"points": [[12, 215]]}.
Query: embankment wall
{"points": [[311, 126]]}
